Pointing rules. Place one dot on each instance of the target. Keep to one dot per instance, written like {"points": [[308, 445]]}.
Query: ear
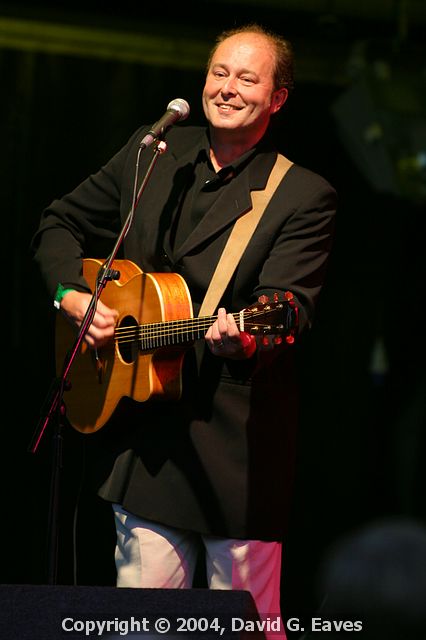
{"points": [[278, 98]]}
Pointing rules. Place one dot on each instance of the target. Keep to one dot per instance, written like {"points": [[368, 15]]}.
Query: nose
{"points": [[229, 86]]}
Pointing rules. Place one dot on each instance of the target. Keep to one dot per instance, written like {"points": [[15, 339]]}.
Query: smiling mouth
{"points": [[228, 107]]}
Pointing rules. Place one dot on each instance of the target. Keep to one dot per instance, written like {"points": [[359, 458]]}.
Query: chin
{"points": [[226, 123]]}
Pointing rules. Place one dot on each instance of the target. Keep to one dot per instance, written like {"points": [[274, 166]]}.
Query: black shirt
{"points": [[202, 192]]}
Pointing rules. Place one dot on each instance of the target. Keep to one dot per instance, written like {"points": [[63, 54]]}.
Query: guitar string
{"points": [[196, 321], [135, 336], [182, 328], [206, 319], [176, 330], [187, 324]]}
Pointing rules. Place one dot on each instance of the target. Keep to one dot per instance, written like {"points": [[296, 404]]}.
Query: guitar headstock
{"points": [[278, 318]]}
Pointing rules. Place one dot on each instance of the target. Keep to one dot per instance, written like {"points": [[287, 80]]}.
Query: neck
{"points": [[225, 148]]}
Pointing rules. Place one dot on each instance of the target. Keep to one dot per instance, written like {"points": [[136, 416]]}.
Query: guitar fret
{"points": [[181, 331], [171, 332]]}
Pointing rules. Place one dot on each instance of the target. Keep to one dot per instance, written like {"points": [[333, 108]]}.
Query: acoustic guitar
{"points": [[154, 328]]}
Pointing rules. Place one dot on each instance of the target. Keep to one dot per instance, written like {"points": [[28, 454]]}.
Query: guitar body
{"points": [[100, 379], [155, 325]]}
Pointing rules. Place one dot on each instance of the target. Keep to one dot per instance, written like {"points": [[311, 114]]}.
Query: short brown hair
{"points": [[284, 57]]}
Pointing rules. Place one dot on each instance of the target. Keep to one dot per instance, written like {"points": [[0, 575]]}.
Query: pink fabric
{"points": [[150, 555]]}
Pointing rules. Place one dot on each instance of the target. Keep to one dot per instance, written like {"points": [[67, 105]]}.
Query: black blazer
{"points": [[219, 461]]}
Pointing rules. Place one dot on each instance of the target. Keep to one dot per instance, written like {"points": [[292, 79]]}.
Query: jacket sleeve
{"points": [[83, 223], [298, 258]]}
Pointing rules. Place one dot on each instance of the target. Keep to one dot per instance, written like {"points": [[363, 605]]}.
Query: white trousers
{"points": [[151, 555]]}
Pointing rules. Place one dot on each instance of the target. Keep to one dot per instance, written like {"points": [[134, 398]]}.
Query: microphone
{"points": [[177, 109]]}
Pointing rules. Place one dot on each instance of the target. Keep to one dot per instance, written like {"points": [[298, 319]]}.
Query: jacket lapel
{"points": [[170, 176], [233, 202]]}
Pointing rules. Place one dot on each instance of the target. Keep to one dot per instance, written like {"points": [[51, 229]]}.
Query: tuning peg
{"points": [[278, 340], [263, 299], [288, 295], [265, 343], [289, 339], [276, 297]]}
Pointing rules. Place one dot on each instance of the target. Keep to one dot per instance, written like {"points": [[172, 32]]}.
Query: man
{"points": [[215, 467]]}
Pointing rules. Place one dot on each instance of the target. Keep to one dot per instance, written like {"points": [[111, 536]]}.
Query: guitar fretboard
{"points": [[180, 332]]}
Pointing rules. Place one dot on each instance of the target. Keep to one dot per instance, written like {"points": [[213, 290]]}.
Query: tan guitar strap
{"points": [[240, 236]]}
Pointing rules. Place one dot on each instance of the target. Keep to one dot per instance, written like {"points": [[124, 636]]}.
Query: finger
{"points": [[103, 322], [233, 332], [105, 311], [97, 336], [222, 322], [214, 338]]}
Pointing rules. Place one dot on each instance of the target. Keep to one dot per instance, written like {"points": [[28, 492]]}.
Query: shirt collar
{"points": [[228, 172]]}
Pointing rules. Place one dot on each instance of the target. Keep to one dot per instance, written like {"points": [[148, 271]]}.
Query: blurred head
{"points": [[378, 576]]}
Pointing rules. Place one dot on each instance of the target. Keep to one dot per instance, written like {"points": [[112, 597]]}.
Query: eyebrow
{"points": [[225, 66]]}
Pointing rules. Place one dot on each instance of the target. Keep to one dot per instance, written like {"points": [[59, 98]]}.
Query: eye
{"points": [[247, 80]]}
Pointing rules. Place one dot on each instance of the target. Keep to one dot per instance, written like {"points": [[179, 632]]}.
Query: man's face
{"points": [[238, 95]]}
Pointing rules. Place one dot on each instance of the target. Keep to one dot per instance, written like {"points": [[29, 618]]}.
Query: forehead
{"points": [[249, 50]]}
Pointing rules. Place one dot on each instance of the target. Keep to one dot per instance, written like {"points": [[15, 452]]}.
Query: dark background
{"points": [[66, 108]]}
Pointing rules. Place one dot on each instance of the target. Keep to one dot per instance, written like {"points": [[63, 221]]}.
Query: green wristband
{"points": [[60, 292]]}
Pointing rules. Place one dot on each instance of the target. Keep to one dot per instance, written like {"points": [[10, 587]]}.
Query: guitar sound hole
{"points": [[128, 333]]}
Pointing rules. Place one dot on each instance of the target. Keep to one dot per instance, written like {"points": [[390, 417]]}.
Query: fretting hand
{"points": [[226, 340]]}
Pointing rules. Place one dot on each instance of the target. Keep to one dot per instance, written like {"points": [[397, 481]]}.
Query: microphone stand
{"points": [[53, 408]]}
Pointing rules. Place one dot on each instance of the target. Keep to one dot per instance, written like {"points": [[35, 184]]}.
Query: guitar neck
{"points": [[263, 319], [170, 332], [174, 332]]}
